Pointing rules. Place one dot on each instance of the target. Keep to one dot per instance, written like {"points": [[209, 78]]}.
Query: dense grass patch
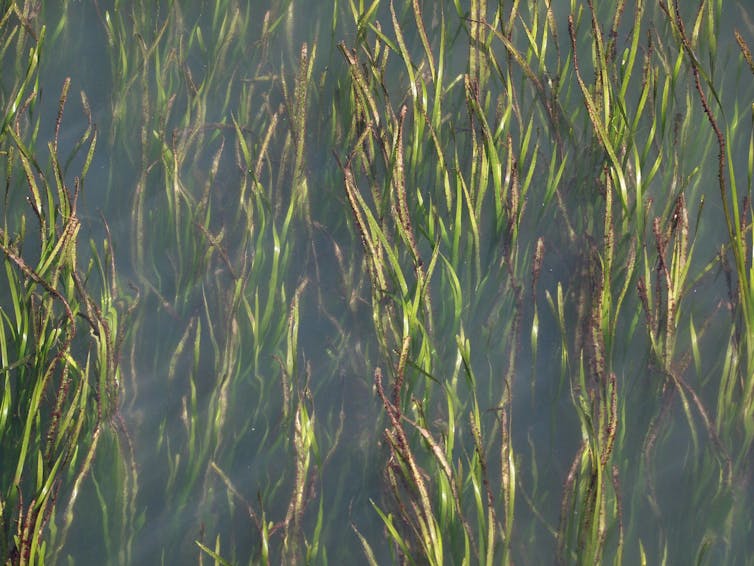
{"points": [[443, 283]]}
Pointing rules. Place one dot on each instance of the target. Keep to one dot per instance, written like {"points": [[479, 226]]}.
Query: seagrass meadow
{"points": [[376, 282]]}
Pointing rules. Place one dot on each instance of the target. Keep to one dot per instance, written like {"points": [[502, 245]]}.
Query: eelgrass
{"points": [[604, 231], [59, 343], [458, 312]]}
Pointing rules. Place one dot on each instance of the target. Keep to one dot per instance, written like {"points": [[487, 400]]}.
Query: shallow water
{"points": [[337, 350]]}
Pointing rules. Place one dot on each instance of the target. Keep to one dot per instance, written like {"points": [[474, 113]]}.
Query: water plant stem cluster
{"points": [[385, 281]]}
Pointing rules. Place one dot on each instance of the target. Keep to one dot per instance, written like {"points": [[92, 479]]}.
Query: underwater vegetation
{"points": [[376, 282]]}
